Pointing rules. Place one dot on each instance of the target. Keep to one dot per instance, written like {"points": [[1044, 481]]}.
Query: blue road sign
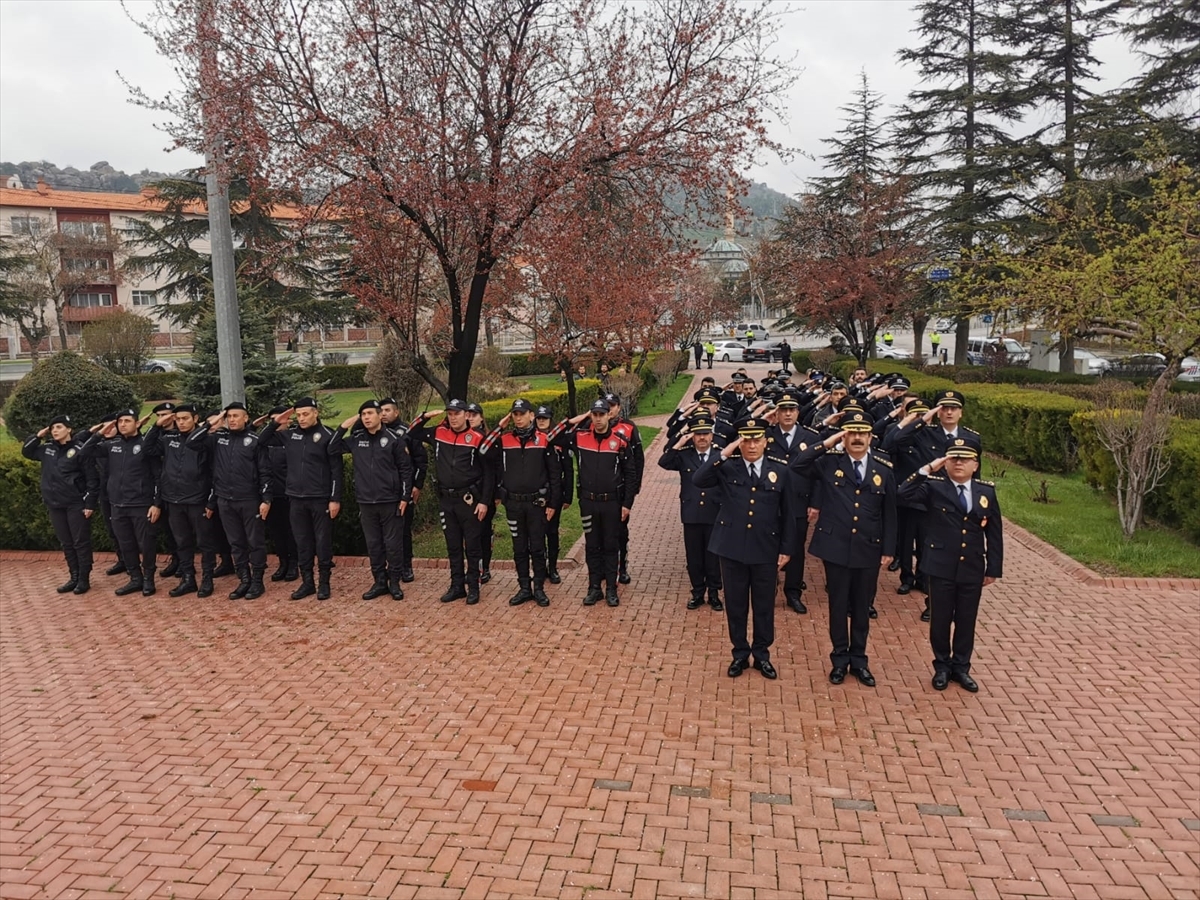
{"points": [[940, 273], [987, 319]]}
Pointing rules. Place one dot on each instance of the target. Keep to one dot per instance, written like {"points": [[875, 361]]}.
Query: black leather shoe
{"points": [[225, 568], [554, 577], [873, 612], [715, 602], [797, 605], [737, 667], [472, 595], [624, 578], [611, 597], [539, 596], [117, 568], [926, 615], [966, 681], [83, 585], [940, 680], [280, 573], [694, 603], [307, 588], [394, 588], [863, 674], [148, 588], [187, 585], [524, 595], [378, 589], [486, 576], [768, 670], [456, 592], [129, 587], [170, 568], [594, 596], [904, 588], [894, 566], [837, 674], [69, 585], [407, 576]]}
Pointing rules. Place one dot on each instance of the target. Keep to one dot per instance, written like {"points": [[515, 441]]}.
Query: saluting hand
{"points": [[928, 417], [45, 431], [937, 464], [260, 420], [349, 423], [731, 448], [282, 418], [683, 441], [504, 422]]}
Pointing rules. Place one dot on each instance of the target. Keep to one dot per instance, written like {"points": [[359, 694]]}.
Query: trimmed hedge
{"points": [[340, 377], [155, 385], [1176, 502], [525, 364]]}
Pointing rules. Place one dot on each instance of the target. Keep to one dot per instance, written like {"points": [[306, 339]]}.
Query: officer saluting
{"points": [[962, 553], [390, 413], [785, 440], [698, 508], [382, 486], [566, 481], [855, 534], [751, 536]]}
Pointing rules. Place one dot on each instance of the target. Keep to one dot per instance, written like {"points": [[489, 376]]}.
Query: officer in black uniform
{"points": [[118, 567], [279, 520], [698, 507], [131, 479], [543, 418], [855, 534], [162, 526], [907, 457], [607, 482], [242, 490], [312, 483], [753, 531], [70, 488], [487, 532], [390, 412], [185, 485], [382, 486], [465, 487], [785, 440], [963, 553], [530, 482], [627, 430]]}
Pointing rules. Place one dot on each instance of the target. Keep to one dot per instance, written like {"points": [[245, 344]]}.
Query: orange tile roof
{"points": [[46, 197]]}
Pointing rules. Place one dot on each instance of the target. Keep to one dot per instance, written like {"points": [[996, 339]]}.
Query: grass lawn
{"points": [[1082, 522], [429, 544], [653, 403]]}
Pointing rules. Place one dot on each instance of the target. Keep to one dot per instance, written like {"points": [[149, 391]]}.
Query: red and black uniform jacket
{"points": [[606, 465], [457, 463], [528, 467]]}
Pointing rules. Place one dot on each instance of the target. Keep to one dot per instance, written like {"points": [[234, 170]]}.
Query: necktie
{"points": [[858, 472], [962, 497], [703, 458], [787, 440], [754, 474]]}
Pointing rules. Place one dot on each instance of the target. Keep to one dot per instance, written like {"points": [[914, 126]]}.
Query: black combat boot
{"points": [[552, 574], [539, 593], [280, 573], [594, 595], [307, 586], [117, 568], [205, 588], [132, 586], [293, 570], [456, 592], [257, 589], [225, 568], [72, 580], [524, 594], [378, 589], [171, 568], [323, 589], [243, 585], [394, 588], [187, 585], [84, 584], [148, 588], [611, 597]]}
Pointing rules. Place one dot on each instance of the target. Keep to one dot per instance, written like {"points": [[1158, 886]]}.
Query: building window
{"points": [[26, 225], [145, 298], [93, 230], [85, 264], [85, 299]]}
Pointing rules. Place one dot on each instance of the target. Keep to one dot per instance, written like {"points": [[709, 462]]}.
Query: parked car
{"points": [[728, 350], [760, 331], [155, 366], [1002, 351], [1189, 370], [763, 352], [1138, 365], [883, 351], [1088, 363]]}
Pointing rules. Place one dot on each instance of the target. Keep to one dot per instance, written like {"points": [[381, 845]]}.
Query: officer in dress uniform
{"points": [[698, 508], [963, 552], [382, 486], [629, 432], [390, 412], [855, 534], [785, 440], [543, 419], [607, 482], [279, 520], [70, 488], [465, 487], [242, 490], [186, 483], [907, 458], [753, 531], [131, 481], [530, 482]]}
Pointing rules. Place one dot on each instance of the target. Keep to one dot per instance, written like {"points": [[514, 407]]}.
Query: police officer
{"points": [[530, 482], [162, 526], [488, 532], [855, 534], [465, 487], [242, 490], [185, 485], [607, 482], [629, 432], [390, 412], [751, 536], [382, 486], [907, 458], [279, 524], [131, 480], [698, 508], [566, 479], [70, 489], [963, 553], [312, 483], [785, 440]]}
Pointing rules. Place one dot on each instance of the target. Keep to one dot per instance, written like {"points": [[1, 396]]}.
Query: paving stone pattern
{"points": [[270, 749]]}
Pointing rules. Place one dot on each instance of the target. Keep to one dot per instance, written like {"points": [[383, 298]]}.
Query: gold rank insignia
{"points": [[803, 446], [840, 474], [772, 477], [878, 481], [983, 502]]}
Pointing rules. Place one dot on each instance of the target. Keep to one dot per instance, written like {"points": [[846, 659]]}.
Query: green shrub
{"points": [[802, 360], [6, 389], [156, 385], [1031, 427], [1176, 501], [525, 364], [339, 377], [66, 383]]}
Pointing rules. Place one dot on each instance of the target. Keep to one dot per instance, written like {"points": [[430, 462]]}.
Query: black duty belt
{"points": [[466, 494], [526, 498], [598, 498]]}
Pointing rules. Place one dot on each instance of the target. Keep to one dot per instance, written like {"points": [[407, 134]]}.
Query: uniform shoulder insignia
{"points": [[883, 462], [835, 450], [936, 477], [990, 484]]}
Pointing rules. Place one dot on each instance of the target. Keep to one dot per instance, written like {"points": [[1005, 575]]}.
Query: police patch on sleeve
{"points": [[383, 442], [983, 502], [137, 448], [878, 481], [247, 441], [316, 437]]}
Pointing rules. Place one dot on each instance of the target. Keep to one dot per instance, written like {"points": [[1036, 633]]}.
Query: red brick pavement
{"points": [[269, 749]]}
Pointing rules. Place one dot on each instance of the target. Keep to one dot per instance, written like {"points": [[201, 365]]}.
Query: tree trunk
{"points": [[919, 338], [62, 327], [571, 411], [962, 334], [1066, 353], [463, 357]]}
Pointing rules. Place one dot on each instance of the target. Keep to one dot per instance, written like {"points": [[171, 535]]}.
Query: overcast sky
{"points": [[62, 100]]}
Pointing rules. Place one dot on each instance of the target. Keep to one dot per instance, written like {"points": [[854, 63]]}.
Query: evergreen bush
{"points": [[66, 383]]}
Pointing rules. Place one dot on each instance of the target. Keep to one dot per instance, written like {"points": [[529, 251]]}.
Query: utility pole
{"points": [[220, 232]]}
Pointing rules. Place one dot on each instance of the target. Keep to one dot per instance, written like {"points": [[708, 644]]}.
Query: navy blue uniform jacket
{"points": [[857, 525], [755, 524], [956, 546]]}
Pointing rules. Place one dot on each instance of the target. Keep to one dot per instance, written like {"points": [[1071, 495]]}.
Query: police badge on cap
{"points": [[520, 405], [369, 404], [456, 406], [544, 412], [600, 405]]}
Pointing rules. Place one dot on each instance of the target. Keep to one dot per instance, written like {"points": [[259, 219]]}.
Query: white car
{"points": [[728, 350], [155, 366], [883, 351], [1091, 363], [1189, 369]]}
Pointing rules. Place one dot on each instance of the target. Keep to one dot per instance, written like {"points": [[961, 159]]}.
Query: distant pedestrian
{"points": [[888, 338], [710, 350], [749, 336], [698, 351], [785, 350], [936, 340]]}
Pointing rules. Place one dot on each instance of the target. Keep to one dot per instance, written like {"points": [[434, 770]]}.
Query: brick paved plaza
{"points": [[271, 749]]}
